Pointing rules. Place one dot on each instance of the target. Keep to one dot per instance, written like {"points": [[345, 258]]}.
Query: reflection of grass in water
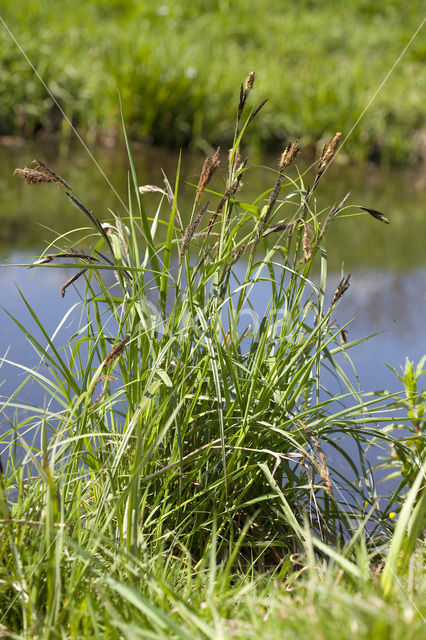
{"points": [[197, 487], [175, 65], [352, 240]]}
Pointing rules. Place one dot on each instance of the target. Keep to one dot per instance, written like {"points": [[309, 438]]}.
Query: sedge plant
{"points": [[175, 431]]}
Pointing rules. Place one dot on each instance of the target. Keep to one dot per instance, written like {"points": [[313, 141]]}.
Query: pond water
{"points": [[387, 294]]}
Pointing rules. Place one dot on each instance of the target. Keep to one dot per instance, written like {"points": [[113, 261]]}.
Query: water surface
{"points": [[388, 262]]}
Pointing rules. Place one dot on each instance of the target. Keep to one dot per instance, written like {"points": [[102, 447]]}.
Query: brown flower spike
{"points": [[244, 92], [341, 288], [209, 167], [32, 176], [289, 155], [327, 155], [115, 352], [40, 175]]}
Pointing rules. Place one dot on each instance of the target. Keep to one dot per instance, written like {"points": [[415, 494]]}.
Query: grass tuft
{"points": [[204, 479]]}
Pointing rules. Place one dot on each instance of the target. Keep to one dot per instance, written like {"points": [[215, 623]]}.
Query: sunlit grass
{"points": [[175, 64], [174, 483]]}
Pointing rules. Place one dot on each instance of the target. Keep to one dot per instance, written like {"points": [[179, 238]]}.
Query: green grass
{"points": [[175, 65], [173, 481]]}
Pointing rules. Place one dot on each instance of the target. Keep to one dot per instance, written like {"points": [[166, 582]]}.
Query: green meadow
{"points": [[175, 65]]}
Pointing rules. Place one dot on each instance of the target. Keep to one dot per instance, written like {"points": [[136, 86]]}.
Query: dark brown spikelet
{"points": [[45, 169], [226, 271], [189, 232], [40, 261], [343, 202], [105, 378], [101, 396], [343, 336], [71, 280], [242, 101], [327, 155], [115, 352], [341, 288], [256, 111], [74, 254], [376, 214], [282, 225], [273, 198], [237, 253], [244, 92], [209, 167], [204, 258], [290, 152], [93, 219]]}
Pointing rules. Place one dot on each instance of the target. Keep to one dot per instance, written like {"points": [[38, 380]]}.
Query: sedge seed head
{"points": [[250, 81]]}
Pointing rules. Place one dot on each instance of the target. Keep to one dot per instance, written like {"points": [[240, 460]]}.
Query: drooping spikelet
{"points": [[71, 280], [32, 176], [282, 225], [45, 169], [115, 351], [40, 175], [376, 214]]}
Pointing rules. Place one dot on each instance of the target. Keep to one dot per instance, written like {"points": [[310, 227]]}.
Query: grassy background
{"points": [[178, 66]]}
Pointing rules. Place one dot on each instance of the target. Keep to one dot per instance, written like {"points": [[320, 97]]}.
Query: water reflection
{"points": [[388, 263]]}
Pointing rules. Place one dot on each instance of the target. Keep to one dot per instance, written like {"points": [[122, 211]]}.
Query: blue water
{"points": [[387, 294]]}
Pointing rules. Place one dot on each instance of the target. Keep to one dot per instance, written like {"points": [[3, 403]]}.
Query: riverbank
{"points": [[180, 476], [176, 66]]}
